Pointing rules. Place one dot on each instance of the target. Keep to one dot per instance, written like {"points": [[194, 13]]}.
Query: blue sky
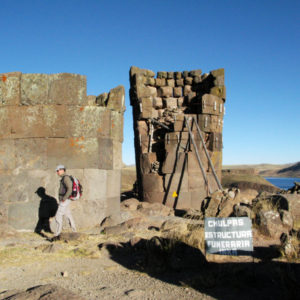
{"points": [[257, 42]]}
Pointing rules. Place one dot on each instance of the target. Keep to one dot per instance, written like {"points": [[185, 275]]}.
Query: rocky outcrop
{"points": [[48, 120]]}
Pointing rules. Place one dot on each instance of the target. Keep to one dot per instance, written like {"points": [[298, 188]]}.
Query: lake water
{"points": [[283, 183]]}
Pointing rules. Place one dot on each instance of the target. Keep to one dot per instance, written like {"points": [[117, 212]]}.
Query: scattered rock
{"points": [[47, 292], [175, 223], [130, 204], [242, 211], [287, 219], [134, 293], [64, 274], [270, 224], [155, 209]]}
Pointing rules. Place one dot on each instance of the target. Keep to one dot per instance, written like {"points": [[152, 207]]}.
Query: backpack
{"points": [[76, 189]]}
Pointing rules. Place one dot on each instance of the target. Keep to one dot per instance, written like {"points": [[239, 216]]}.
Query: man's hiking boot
{"points": [[55, 238]]}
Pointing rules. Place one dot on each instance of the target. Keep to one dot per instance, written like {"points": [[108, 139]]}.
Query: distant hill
{"points": [[269, 170], [287, 171]]}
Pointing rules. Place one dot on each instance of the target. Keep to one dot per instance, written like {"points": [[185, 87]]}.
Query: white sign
{"points": [[228, 236]]}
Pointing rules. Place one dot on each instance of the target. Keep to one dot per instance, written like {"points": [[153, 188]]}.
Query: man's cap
{"points": [[59, 167]]}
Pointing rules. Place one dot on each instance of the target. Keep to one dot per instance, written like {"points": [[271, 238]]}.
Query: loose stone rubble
{"points": [[47, 120], [167, 168], [293, 190]]}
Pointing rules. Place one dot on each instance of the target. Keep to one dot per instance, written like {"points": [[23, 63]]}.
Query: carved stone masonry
{"points": [[168, 170]]}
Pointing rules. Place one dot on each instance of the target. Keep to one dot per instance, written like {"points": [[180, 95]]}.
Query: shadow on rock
{"points": [[47, 209], [177, 263]]}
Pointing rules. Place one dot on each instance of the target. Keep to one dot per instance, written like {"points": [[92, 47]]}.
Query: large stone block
{"points": [[57, 120], [193, 163], [105, 123], [23, 215], [212, 182], [7, 154], [175, 162], [171, 82], [34, 89], [142, 128], [88, 213], [150, 81], [179, 125], [135, 70], [90, 121], [101, 99], [195, 73], [20, 185], [116, 99], [147, 107], [157, 102], [165, 91], [219, 91], [178, 75], [178, 91], [80, 152], [68, 89], [117, 155], [113, 188], [216, 158], [113, 207], [170, 75], [31, 153], [145, 91], [188, 80], [217, 72], [144, 143], [153, 197], [177, 140], [95, 184], [196, 180], [5, 124], [146, 161], [117, 126], [27, 122], [152, 183], [210, 123], [160, 82], [180, 82], [187, 89], [170, 103], [181, 201], [10, 88], [162, 74], [197, 197], [215, 141], [106, 154], [212, 104], [176, 182]]}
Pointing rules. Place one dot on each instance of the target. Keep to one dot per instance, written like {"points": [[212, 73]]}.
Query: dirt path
{"points": [[28, 260], [24, 264]]}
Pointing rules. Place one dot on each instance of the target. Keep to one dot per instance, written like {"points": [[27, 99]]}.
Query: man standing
{"points": [[65, 191]]}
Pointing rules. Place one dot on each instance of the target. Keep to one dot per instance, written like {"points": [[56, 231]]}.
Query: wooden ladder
{"points": [[191, 135]]}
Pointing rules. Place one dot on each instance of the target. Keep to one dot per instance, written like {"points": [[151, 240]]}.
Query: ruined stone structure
{"points": [[46, 120], [168, 170]]}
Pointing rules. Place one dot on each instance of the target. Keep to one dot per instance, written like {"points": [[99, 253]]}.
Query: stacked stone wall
{"points": [[167, 167], [46, 120]]}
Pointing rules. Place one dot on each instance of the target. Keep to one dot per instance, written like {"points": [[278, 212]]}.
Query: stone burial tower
{"points": [[174, 166], [46, 120]]}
